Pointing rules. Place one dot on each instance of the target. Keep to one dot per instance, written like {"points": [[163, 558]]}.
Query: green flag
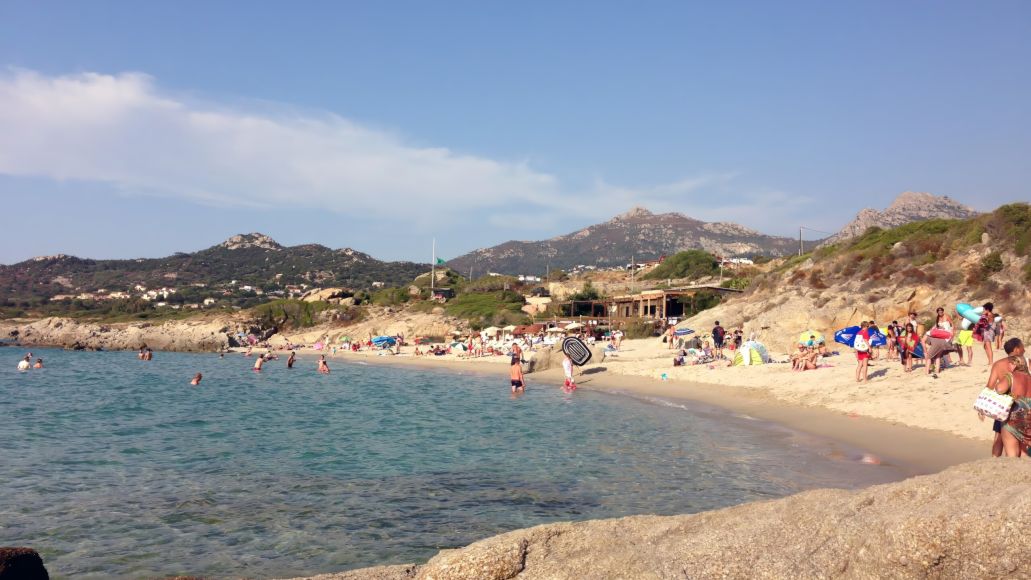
{"points": [[440, 262]]}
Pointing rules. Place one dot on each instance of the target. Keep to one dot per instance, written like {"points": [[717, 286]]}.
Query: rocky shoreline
{"points": [[192, 335], [965, 522]]}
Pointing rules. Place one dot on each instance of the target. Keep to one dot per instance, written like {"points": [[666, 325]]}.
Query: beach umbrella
{"points": [[804, 337], [574, 326], [847, 337], [509, 328], [555, 329], [491, 330]]}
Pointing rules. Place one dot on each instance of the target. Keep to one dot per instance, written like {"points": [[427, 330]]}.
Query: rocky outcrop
{"points": [[910, 206], [965, 522], [182, 335], [252, 240], [21, 564]]}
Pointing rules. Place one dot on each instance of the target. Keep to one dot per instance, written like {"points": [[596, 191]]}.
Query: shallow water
{"points": [[114, 467]]}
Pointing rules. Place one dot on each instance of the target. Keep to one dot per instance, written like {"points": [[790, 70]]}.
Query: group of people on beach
{"points": [[911, 340]]}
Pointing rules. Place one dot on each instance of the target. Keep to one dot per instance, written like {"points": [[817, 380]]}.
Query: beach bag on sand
{"points": [[993, 405]]}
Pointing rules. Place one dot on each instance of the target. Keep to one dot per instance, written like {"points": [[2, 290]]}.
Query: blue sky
{"points": [[144, 128]]}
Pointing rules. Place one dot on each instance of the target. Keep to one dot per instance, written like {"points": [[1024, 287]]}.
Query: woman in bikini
{"points": [[1016, 432]]}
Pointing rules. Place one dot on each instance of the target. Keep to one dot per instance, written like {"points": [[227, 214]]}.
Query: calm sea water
{"points": [[114, 467]]}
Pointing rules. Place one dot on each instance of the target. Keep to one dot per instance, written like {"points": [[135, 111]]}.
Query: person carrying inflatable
{"points": [[984, 330]]}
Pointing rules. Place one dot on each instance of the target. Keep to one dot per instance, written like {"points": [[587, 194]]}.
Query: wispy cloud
{"points": [[122, 130]]}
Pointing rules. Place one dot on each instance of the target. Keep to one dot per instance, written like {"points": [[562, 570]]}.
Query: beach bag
{"points": [[860, 344], [994, 405]]}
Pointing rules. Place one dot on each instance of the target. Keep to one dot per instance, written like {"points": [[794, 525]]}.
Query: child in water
{"points": [[323, 367], [196, 379]]}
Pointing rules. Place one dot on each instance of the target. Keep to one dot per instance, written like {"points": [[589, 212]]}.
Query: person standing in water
{"points": [[323, 366], [196, 379], [290, 360], [257, 363], [39, 364], [567, 368], [25, 363], [515, 373]]}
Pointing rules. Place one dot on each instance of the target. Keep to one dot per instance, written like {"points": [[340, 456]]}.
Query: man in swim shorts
{"points": [[515, 373], [718, 334]]}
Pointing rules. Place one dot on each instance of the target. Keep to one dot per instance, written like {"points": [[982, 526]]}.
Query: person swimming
{"points": [[323, 366], [196, 379], [39, 364]]}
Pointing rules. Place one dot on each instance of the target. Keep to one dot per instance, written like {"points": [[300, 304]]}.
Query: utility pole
{"points": [[800, 252], [433, 267]]}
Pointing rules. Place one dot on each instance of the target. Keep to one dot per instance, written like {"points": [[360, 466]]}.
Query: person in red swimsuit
{"points": [[862, 352]]}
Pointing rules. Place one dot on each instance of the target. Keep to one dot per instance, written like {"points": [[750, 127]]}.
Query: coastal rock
{"points": [[965, 522], [180, 335], [21, 564]]}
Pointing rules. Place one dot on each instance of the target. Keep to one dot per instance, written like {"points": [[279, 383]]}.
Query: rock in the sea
{"points": [[21, 564], [966, 522]]}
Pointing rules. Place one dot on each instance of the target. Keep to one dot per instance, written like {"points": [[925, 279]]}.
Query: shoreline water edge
{"points": [[913, 450]]}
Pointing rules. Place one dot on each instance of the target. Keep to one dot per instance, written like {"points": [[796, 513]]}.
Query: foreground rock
{"points": [[966, 522], [21, 564]]}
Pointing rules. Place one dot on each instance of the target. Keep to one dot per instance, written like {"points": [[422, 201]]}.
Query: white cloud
{"points": [[123, 131]]}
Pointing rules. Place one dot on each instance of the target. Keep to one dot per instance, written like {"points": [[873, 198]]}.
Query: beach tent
{"points": [[804, 337], [751, 353], [318, 346]]}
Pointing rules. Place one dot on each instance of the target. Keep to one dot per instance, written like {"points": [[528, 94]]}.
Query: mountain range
{"points": [[249, 259], [258, 260], [635, 235]]}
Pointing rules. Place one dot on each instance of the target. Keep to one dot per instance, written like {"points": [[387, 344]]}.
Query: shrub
{"points": [[288, 313], [689, 264], [992, 263]]}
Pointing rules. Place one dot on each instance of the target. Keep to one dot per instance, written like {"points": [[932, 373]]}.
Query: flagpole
{"points": [[433, 267]]}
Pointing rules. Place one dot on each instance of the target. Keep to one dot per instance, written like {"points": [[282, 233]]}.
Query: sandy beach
{"points": [[912, 420]]}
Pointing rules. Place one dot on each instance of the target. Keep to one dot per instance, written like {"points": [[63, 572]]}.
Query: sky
{"points": [[132, 129]]}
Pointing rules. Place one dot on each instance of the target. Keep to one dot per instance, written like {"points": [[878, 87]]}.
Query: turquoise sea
{"points": [[114, 467]]}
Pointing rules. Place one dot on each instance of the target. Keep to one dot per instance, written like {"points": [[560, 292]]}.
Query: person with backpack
{"points": [[718, 335], [862, 346]]}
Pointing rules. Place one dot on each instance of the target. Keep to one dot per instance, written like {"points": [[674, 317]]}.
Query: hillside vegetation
{"points": [[884, 273]]}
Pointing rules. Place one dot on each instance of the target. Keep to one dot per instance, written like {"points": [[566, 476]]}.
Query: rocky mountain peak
{"points": [[252, 240], [635, 212], [908, 207]]}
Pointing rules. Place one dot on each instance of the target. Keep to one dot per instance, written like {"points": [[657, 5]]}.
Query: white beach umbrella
{"points": [[491, 331], [574, 326]]}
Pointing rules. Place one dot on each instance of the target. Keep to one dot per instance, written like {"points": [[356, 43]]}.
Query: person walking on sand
{"points": [[1013, 348], [323, 366], [1016, 432], [984, 330], [196, 379], [671, 336], [291, 359], [862, 346], [718, 334], [515, 373]]}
